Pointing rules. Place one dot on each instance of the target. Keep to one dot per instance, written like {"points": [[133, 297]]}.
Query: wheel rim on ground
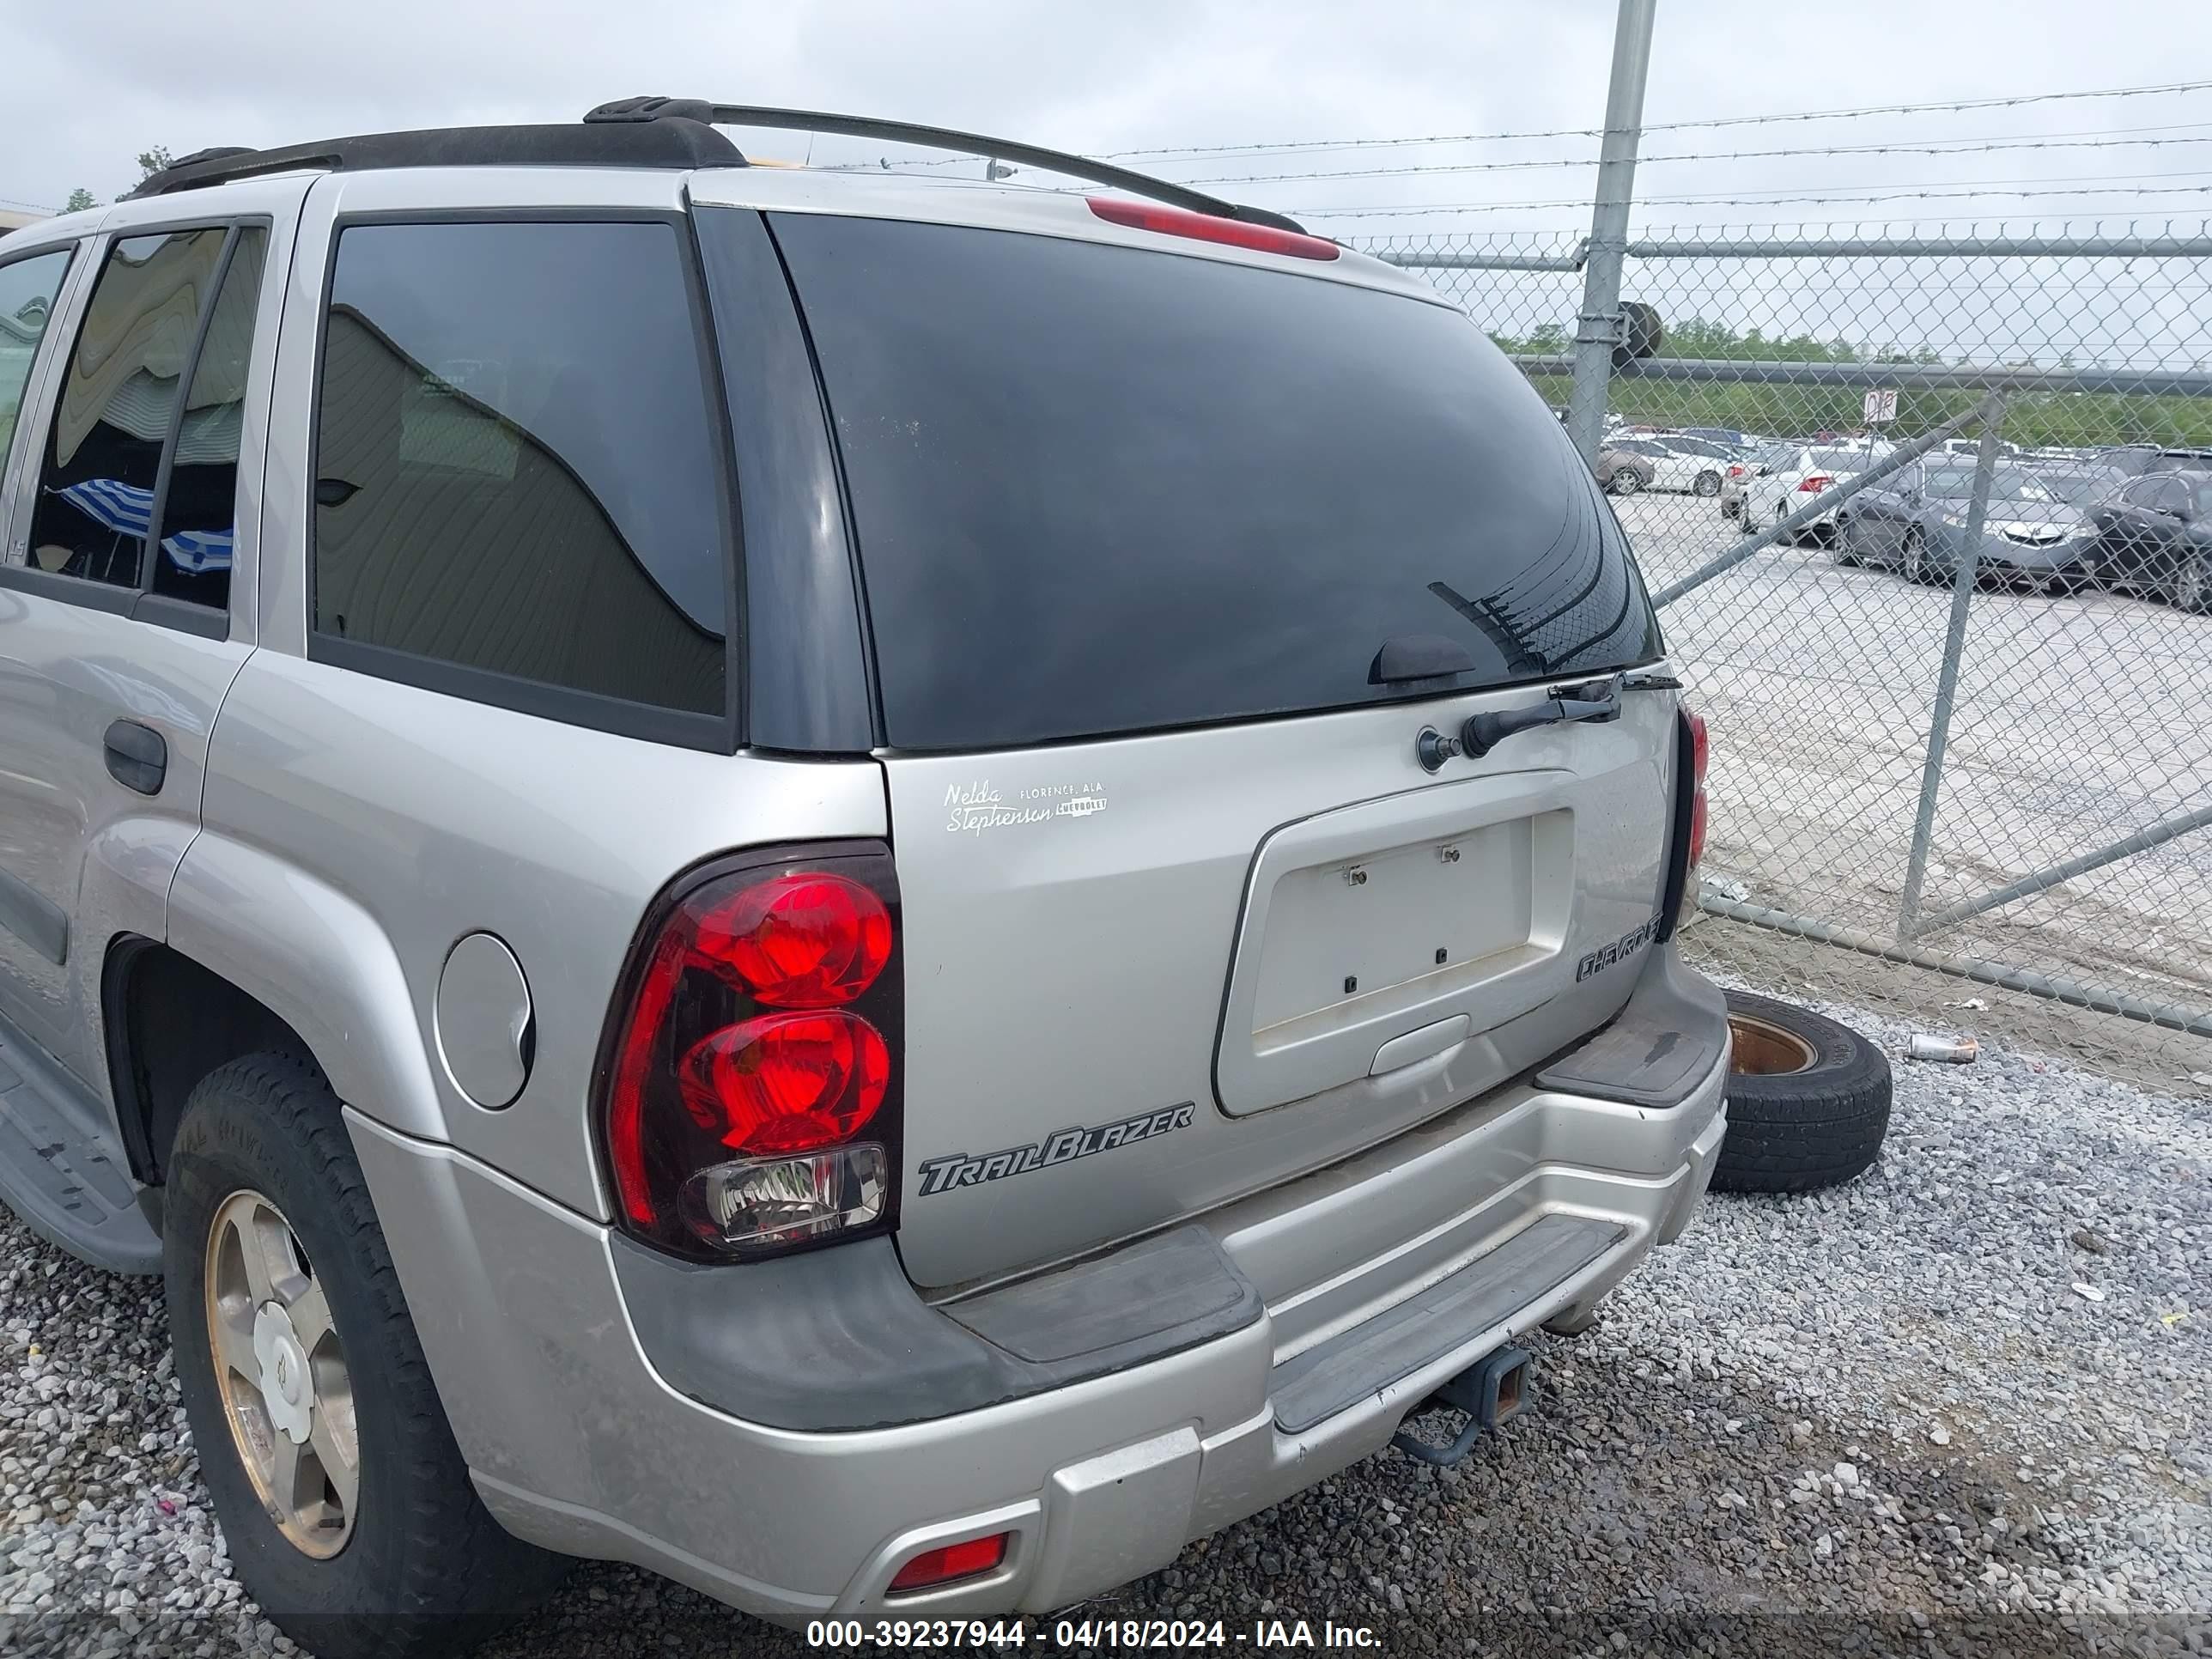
{"points": [[1760, 1049], [282, 1373]]}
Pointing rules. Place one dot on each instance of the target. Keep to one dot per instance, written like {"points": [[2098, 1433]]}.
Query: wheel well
{"points": [[170, 1022]]}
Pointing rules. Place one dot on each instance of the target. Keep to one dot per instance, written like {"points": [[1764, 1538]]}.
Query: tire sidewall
{"points": [[221, 1148]]}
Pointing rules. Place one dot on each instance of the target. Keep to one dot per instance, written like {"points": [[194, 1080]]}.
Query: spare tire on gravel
{"points": [[1807, 1100]]}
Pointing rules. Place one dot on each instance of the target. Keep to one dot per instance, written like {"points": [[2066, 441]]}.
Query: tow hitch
{"points": [[1489, 1391]]}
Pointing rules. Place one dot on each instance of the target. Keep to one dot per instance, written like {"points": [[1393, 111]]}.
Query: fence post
{"points": [[1947, 682], [1598, 328]]}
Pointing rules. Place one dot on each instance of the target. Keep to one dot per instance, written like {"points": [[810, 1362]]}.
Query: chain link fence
{"points": [[1930, 518]]}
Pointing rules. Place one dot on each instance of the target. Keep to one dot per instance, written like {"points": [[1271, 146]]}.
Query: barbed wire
{"points": [[1983, 190], [33, 207], [1951, 107], [1950, 146]]}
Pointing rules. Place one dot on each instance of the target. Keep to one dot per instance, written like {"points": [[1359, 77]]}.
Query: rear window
{"points": [[1099, 489]]}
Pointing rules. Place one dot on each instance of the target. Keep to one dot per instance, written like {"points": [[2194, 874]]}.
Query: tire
{"points": [[1814, 1117], [1707, 483], [1624, 482], [1915, 560], [2192, 585], [419, 1566]]}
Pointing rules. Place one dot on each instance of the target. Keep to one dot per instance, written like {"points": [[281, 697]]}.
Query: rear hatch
{"points": [[1183, 913]]}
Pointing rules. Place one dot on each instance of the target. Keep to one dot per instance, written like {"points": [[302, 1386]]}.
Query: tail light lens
{"points": [[749, 1094], [1815, 484], [1686, 848], [1700, 750], [1210, 228], [1735, 472]]}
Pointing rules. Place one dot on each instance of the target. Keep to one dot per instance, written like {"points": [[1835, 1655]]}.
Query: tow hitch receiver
{"points": [[1489, 1391]]}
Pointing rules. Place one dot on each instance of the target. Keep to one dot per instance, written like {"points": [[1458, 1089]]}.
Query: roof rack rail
{"points": [[633, 111], [672, 143]]}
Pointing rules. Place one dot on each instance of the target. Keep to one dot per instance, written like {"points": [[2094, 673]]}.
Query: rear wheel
{"points": [[347, 1505], [2192, 585], [1916, 566], [1807, 1100], [1624, 482], [1708, 483]]}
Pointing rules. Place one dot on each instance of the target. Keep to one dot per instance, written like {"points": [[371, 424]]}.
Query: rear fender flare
{"points": [[321, 963]]}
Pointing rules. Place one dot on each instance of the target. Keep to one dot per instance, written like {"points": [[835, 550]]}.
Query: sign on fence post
{"points": [[1881, 406]]}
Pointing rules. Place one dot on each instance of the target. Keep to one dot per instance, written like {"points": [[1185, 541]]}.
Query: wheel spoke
{"points": [[337, 1466], [284, 1473], [265, 1252], [233, 1345], [311, 1316]]}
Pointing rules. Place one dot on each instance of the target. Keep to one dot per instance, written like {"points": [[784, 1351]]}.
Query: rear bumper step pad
{"points": [[1488, 1292]]}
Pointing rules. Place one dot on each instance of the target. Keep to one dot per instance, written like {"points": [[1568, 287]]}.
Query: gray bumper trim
{"points": [[837, 1339], [1327, 1378], [1660, 1046]]}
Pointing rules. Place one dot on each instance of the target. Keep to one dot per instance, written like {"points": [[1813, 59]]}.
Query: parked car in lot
{"points": [[1737, 475], [1792, 479], [2136, 459], [914, 1107], [1623, 470], [2155, 536], [1682, 466], [1713, 460], [2082, 483], [1916, 519], [1728, 436]]}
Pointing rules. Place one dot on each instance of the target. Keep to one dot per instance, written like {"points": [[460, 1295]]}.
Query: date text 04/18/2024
{"points": [[1085, 1635]]}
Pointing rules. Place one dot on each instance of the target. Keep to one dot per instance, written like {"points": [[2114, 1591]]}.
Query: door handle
{"points": [[137, 757]]}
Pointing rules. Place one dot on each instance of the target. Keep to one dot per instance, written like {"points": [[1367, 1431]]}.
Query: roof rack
{"points": [[670, 144], [656, 133], [649, 111]]}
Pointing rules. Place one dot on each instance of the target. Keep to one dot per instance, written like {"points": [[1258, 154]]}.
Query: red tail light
{"points": [[750, 1090], [1210, 228], [1815, 484], [941, 1566], [788, 1082], [803, 940], [1735, 472]]}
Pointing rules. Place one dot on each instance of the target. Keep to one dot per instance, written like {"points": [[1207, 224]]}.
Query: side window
{"points": [[27, 289], [517, 472], [199, 503], [118, 399]]}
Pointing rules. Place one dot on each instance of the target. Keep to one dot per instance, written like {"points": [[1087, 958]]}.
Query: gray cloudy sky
{"points": [[92, 83]]}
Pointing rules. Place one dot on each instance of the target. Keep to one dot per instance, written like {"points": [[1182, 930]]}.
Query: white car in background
{"points": [[1796, 475], [1675, 466]]}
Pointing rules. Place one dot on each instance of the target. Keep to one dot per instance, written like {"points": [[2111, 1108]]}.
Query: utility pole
{"points": [[1598, 329]]}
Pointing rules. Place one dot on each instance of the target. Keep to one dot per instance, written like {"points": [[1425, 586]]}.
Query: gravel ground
{"points": [[1960, 1406]]}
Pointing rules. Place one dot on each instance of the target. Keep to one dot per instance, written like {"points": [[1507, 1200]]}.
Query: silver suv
{"points": [[884, 893]]}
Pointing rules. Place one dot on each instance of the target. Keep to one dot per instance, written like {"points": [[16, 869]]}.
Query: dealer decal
{"points": [[1596, 962], [941, 1175]]}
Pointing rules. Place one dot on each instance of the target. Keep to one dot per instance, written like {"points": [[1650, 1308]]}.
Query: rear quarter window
{"points": [[1099, 489], [518, 475]]}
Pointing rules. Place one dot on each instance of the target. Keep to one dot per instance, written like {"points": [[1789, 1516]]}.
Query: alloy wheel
{"points": [[281, 1372]]}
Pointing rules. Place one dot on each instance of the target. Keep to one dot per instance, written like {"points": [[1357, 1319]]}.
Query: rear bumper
{"points": [[1376, 1281]]}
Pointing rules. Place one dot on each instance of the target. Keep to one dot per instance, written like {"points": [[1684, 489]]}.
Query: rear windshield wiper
{"points": [[1594, 700]]}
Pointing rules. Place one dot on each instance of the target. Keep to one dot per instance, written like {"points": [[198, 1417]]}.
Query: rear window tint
{"points": [[515, 469], [1099, 489]]}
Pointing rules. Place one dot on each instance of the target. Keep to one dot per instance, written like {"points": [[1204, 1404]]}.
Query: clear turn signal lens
{"points": [[774, 1202]]}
